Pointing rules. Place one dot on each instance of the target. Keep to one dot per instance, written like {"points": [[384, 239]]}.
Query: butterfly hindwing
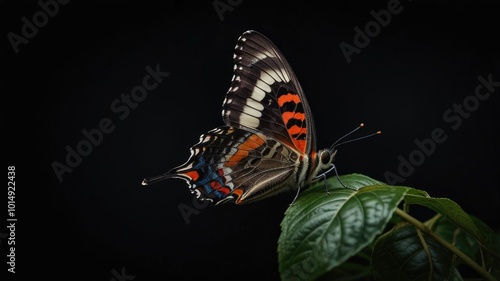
{"points": [[231, 164], [265, 95]]}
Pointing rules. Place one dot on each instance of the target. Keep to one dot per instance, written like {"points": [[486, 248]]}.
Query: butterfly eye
{"points": [[325, 157]]}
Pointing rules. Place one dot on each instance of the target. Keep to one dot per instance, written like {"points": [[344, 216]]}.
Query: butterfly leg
{"points": [[296, 195], [338, 178], [323, 177]]}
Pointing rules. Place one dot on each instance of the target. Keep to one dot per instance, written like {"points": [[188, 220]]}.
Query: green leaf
{"points": [[356, 268], [403, 254], [490, 238], [321, 231], [468, 245], [457, 237], [455, 214]]}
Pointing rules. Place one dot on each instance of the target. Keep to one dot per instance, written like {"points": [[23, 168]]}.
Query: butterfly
{"points": [[268, 143]]}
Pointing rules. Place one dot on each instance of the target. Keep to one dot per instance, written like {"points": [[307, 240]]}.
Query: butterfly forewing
{"points": [[265, 95]]}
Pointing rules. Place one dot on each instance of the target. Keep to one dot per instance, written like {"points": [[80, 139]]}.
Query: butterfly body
{"points": [[268, 144]]}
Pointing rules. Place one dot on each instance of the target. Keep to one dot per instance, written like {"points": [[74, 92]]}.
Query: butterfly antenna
{"points": [[338, 143], [346, 135]]}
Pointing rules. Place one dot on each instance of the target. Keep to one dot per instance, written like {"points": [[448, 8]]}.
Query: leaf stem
{"points": [[421, 226]]}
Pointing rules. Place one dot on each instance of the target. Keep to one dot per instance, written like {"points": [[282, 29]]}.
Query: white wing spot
{"points": [[275, 75], [252, 111], [250, 121], [257, 105], [266, 78], [257, 94], [263, 86]]}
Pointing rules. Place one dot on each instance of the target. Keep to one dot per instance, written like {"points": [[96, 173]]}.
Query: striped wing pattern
{"points": [[265, 95]]}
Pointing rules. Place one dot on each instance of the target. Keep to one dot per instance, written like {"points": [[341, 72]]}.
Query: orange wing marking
{"points": [[193, 175], [253, 142], [294, 131], [287, 98]]}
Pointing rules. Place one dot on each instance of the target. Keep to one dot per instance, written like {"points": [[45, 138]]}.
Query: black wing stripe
{"points": [[266, 64], [261, 75], [269, 123], [259, 46]]}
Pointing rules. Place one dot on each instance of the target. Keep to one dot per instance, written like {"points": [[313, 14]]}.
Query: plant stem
{"points": [[421, 226]]}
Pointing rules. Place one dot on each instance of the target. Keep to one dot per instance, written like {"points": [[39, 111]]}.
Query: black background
{"points": [[100, 220]]}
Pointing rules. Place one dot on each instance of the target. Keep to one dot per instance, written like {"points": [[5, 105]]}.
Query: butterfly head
{"points": [[325, 158]]}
